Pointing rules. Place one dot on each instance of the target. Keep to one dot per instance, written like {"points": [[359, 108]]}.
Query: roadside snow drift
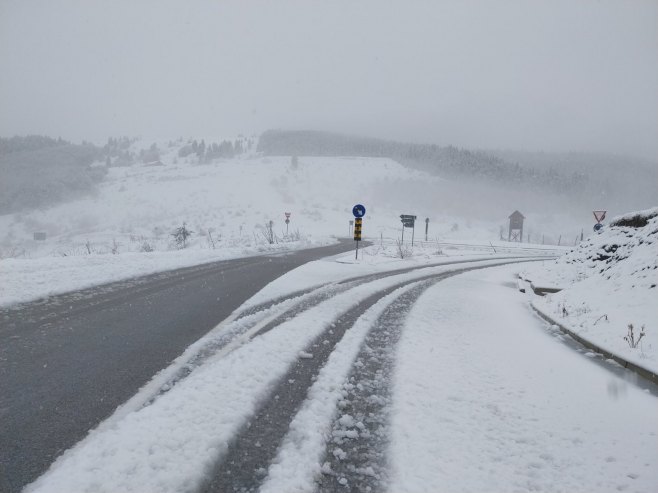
{"points": [[609, 288]]}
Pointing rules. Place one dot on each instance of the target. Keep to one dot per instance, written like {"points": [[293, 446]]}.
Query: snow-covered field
{"points": [[139, 206], [485, 398], [610, 282], [125, 230]]}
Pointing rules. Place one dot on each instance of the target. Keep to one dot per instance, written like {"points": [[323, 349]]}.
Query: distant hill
{"points": [[610, 181], [37, 171]]}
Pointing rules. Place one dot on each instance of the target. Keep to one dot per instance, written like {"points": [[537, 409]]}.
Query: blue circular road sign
{"points": [[358, 210], [598, 227]]}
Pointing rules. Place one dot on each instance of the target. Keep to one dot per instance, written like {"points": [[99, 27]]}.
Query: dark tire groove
{"points": [[356, 452]]}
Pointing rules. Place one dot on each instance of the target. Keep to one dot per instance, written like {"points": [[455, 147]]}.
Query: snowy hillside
{"points": [[227, 201], [609, 283], [137, 207]]}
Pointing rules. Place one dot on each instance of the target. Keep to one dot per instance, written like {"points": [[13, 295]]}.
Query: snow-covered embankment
{"points": [[608, 294]]}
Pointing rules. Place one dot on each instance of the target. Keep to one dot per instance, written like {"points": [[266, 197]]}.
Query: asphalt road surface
{"points": [[67, 362]]}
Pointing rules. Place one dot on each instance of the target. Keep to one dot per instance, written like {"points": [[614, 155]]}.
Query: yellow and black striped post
{"points": [[357, 234]]}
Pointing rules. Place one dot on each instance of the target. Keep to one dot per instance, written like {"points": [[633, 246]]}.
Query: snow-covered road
{"points": [[428, 380], [487, 399]]}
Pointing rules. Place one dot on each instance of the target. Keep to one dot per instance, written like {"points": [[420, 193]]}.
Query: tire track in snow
{"points": [[214, 422], [250, 310], [272, 312], [355, 454], [244, 466]]}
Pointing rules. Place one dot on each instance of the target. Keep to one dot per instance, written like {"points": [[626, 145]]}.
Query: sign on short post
{"points": [[599, 216], [358, 211], [287, 221], [408, 221]]}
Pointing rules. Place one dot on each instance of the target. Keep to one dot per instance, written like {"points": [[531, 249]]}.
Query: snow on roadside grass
{"points": [[610, 281], [170, 445], [485, 400]]}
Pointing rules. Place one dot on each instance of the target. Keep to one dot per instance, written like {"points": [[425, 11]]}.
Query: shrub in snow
{"points": [[293, 236], [146, 247], [630, 337], [402, 251], [268, 233], [180, 236], [212, 242]]}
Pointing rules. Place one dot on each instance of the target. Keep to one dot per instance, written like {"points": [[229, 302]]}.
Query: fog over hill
{"points": [[73, 192], [575, 179], [37, 171]]}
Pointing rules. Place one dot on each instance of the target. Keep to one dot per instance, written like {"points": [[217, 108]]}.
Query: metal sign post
{"points": [[287, 221], [427, 223], [408, 222], [358, 211]]}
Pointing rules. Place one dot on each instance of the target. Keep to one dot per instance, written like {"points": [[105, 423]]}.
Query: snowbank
{"points": [[609, 285]]}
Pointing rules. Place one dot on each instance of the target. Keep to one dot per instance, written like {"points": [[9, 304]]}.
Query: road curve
{"points": [[67, 362]]}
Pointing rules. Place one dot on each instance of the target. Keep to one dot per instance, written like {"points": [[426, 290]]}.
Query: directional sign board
{"points": [[407, 220], [358, 210], [599, 215]]}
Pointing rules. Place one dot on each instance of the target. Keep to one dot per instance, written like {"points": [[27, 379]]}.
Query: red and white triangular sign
{"points": [[599, 215]]}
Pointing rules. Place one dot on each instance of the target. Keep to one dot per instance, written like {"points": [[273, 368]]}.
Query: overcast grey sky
{"points": [[536, 75]]}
